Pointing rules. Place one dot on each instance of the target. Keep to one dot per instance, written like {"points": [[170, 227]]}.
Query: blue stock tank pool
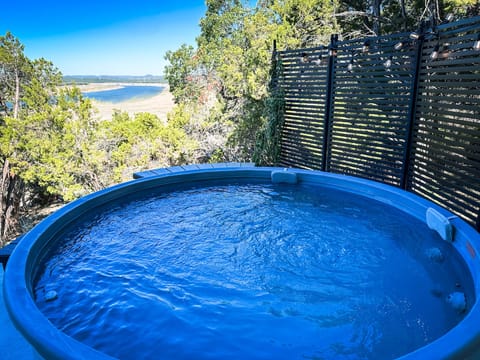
{"points": [[252, 263]]}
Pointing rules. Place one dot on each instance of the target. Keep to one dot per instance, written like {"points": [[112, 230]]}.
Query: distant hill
{"points": [[88, 79]]}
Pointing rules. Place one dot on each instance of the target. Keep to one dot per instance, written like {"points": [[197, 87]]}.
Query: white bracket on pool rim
{"points": [[440, 224], [283, 177]]}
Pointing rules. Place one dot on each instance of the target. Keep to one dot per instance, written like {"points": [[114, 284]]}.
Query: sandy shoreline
{"points": [[159, 104]]}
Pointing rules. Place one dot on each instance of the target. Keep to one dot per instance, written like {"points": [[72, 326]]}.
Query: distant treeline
{"points": [[88, 79]]}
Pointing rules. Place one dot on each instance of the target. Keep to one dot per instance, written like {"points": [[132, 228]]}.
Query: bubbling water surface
{"points": [[250, 271]]}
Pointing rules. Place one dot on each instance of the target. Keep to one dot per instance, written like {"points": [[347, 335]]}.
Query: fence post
{"points": [[332, 53], [412, 109], [273, 79]]}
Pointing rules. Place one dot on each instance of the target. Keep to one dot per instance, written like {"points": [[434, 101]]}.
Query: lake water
{"points": [[124, 93]]}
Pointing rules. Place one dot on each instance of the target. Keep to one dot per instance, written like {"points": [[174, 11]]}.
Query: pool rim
{"points": [[51, 343]]}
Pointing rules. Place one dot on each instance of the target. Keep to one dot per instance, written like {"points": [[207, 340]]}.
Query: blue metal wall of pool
{"points": [[248, 263]]}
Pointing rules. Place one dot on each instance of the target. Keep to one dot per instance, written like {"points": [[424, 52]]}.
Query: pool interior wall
{"points": [[13, 345], [462, 342]]}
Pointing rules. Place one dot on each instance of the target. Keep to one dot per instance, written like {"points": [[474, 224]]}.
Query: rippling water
{"points": [[250, 272]]}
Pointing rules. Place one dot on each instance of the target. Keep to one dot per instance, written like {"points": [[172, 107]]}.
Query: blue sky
{"points": [[104, 37]]}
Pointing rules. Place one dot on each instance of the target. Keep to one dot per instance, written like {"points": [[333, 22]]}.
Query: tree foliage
{"points": [[267, 149], [133, 143], [229, 68], [14, 66], [49, 145], [179, 73], [53, 147], [26, 101], [358, 18], [232, 63]]}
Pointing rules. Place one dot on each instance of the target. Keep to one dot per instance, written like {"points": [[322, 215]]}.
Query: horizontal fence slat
{"points": [[365, 103]]}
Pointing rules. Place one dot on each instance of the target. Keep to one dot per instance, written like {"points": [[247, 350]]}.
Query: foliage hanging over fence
{"points": [[403, 109]]}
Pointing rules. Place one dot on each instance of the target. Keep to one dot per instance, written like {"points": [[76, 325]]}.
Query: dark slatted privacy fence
{"points": [[305, 82], [372, 93], [399, 109], [445, 153]]}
